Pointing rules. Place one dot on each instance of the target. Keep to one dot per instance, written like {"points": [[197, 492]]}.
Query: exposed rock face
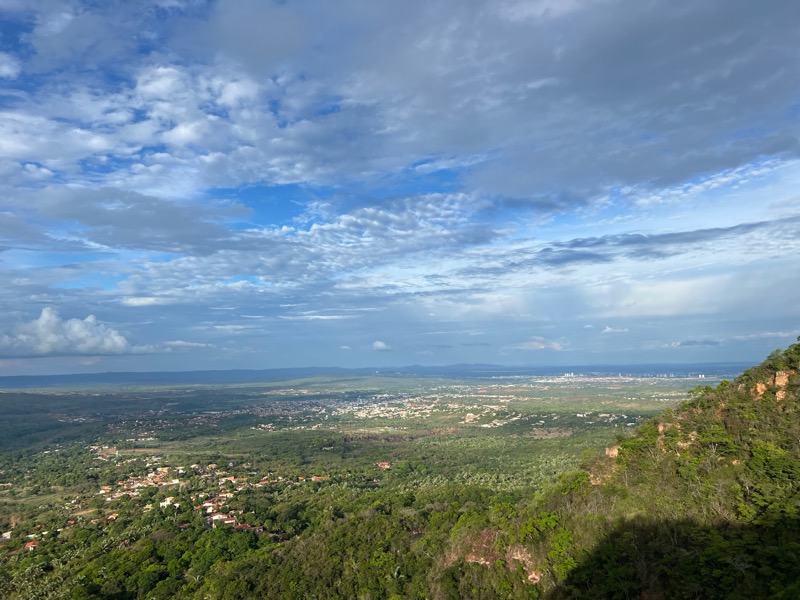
{"points": [[484, 551], [780, 381], [683, 445], [522, 555]]}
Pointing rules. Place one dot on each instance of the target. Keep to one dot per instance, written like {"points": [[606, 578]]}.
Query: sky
{"points": [[190, 184]]}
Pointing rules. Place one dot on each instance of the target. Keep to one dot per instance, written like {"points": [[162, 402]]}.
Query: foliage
{"points": [[701, 501]]}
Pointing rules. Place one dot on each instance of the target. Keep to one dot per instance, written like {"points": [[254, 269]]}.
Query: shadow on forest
{"points": [[681, 559]]}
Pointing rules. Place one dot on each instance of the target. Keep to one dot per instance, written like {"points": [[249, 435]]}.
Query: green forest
{"points": [[480, 493]]}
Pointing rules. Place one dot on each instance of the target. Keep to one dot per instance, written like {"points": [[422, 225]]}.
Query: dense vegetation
{"points": [[703, 502], [700, 502]]}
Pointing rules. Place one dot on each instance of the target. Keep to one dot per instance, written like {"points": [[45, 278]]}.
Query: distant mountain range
{"points": [[460, 371]]}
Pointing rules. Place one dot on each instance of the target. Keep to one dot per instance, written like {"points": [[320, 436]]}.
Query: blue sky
{"points": [[189, 184]]}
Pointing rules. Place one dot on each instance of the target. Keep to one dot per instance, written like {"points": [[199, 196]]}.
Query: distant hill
{"points": [[461, 371], [220, 377]]}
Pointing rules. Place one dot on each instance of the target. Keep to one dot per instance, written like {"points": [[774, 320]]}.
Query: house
{"points": [[31, 546], [223, 519], [245, 527]]}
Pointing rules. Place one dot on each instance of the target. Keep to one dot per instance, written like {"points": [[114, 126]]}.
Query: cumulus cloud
{"points": [[49, 334], [380, 346]]}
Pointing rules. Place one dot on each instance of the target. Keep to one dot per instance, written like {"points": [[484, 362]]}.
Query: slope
{"points": [[702, 502]]}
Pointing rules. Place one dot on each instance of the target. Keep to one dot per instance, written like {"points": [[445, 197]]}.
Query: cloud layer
{"points": [[248, 183]]}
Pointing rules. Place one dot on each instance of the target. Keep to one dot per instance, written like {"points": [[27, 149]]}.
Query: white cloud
{"points": [[146, 301], [49, 334], [607, 329], [380, 346], [10, 67], [420, 183]]}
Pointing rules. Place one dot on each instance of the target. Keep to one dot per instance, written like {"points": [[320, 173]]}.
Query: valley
{"points": [[269, 466]]}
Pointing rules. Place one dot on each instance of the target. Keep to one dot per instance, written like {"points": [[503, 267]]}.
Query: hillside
{"points": [[701, 503]]}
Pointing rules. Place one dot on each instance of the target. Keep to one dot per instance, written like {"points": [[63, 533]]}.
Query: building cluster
{"points": [[159, 477], [214, 507]]}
